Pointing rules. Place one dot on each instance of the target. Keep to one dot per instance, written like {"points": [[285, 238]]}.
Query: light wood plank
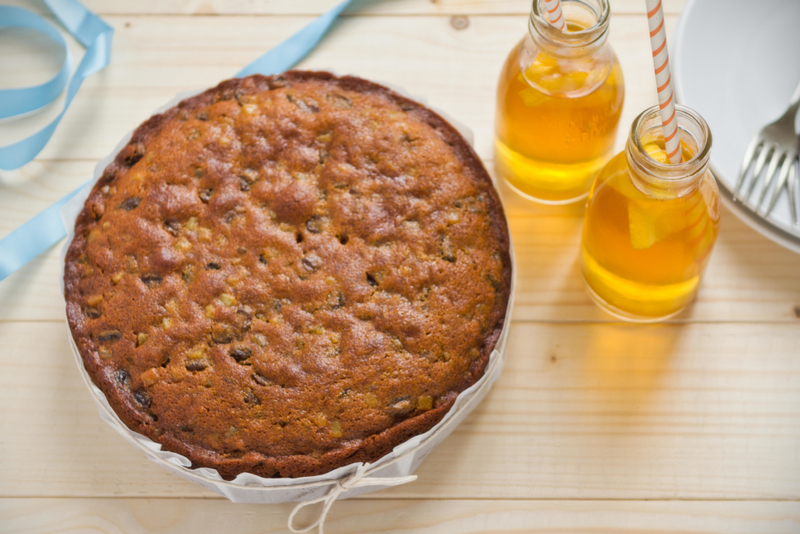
{"points": [[749, 278], [157, 57], [707, 411], [316, 7], [442, 517]]}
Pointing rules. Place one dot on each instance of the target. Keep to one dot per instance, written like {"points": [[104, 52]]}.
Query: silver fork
{"points": [[778, 143]]}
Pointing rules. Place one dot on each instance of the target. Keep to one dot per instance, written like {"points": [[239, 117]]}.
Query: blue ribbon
{"points": [[295, 48], [25, 99], [46, 228], [87, 28]]}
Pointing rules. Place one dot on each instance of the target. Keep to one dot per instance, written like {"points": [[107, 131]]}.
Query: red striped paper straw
{"points": [[666, 98], [555, 14]]}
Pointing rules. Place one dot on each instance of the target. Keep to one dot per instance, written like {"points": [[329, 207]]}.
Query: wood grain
{"points": [[19, 516], [317, 7], [582, 411]]}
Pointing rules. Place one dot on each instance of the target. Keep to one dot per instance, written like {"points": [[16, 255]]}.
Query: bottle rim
{"points": [[572, 39], [691, 126]]}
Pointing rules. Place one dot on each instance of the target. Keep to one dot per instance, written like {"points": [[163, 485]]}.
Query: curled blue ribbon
{"points": [[24, 99], [46, 229], [87, 28]]}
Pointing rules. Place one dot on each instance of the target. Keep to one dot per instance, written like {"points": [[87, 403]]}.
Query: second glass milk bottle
{"points": [[559, 100], [650, 226]]}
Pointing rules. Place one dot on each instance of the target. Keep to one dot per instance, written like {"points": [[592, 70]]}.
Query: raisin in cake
{"points": [[288, 274]]}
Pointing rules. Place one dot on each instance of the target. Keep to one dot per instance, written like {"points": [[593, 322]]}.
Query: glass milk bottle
{"points": [[650, 226], [559, 101]]}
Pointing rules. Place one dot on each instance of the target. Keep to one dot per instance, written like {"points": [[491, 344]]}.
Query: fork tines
{"points": [[775, 147]]}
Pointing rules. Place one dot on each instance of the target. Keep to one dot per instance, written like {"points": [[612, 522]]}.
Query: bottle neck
{"points": [[588, 21], [664, 180]]}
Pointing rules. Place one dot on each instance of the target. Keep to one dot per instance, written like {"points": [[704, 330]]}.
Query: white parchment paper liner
{"points": [[249, 488]]}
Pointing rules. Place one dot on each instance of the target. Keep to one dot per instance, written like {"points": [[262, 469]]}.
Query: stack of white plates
{"points": [[737, 62]]}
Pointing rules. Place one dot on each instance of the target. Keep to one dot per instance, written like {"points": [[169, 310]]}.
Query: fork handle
{"points": [[791, 112], [796, 96]]}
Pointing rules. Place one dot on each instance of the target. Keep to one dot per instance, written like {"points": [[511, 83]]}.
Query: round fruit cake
{"points": [[288, 274]]}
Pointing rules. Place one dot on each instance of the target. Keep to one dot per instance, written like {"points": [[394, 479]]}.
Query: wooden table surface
{"points": [[594, 427]]}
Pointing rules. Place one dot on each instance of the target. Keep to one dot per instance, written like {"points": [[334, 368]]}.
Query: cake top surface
{"points": [[285, 274]]}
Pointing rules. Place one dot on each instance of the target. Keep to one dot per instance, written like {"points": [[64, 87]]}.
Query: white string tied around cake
{"points": [[359, 479]]}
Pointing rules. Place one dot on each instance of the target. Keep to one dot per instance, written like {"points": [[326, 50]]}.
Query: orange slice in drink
{"points": [[651, 220], [553, 77], [700, 234]]}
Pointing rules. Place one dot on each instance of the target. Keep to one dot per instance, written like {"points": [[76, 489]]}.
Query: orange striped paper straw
{"points": [[555, 14], [666, 98]]}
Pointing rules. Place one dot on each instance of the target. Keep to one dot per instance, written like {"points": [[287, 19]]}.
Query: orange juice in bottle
{"points": [[559, 100], [650, 226]]}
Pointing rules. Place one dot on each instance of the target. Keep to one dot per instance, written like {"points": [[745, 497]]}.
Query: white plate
{"points": [[737, 62]]}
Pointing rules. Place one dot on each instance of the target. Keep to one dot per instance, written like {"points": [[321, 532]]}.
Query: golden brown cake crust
{"points": [[287, 274]]}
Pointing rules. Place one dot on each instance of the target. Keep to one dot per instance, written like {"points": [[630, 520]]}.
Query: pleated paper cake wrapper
{"points": [[249, 488]]}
